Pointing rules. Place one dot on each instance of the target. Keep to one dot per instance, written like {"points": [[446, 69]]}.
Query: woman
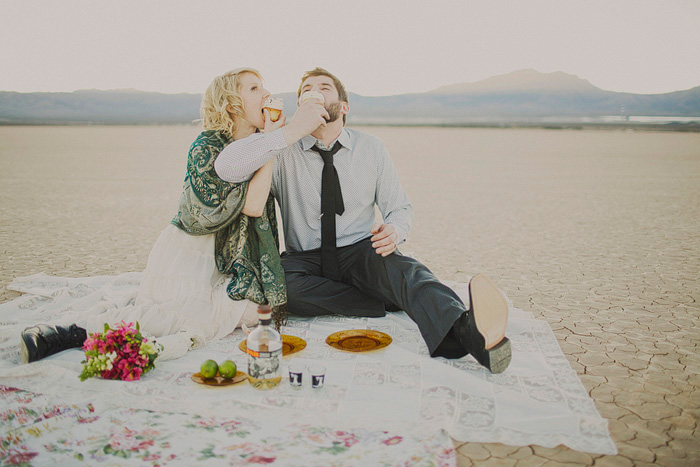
{"points": [[217, 259]]}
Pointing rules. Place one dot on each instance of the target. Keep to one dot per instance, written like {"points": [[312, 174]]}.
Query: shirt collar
{"points": [[308, 141]]}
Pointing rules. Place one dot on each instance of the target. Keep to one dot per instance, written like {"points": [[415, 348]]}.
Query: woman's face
{"points": [[253, 95]]}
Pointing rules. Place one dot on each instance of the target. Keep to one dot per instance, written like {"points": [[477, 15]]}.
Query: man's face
{"points": [[325, 86]]}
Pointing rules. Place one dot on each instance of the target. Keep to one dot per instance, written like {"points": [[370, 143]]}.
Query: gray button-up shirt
{"points": [[367, 178]]}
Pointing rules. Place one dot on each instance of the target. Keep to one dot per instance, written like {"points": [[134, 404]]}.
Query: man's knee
{"points": [[410, 268]]}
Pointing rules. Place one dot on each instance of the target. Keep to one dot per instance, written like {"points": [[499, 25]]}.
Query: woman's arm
{"points": [[258, 190], [242, 158], [237, 162]]}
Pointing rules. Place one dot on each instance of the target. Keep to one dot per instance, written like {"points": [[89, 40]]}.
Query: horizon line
{"points": [[131, 89]]}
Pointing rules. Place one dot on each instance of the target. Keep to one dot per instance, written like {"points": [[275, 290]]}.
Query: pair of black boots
{"points": [[43, 340], [480, 331]]}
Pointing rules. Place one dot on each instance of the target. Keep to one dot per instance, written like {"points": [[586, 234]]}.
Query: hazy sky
{"points": [[377, 47]]}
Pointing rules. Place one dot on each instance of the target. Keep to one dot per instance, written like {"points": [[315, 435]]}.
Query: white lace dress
{"points": [[179, 298]]}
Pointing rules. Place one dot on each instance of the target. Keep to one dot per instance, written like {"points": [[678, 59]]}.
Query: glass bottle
{"points": [[264, 352]]}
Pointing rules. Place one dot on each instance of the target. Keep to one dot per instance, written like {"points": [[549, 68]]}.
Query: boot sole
{"points": [[490, 311], [24, 351], [497, 359]]}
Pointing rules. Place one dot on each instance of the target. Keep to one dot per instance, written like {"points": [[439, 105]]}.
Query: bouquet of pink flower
{"points": [[122, 353]]}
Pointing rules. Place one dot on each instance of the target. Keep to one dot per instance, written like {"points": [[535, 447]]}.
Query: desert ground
{"points": [[595, 231]]}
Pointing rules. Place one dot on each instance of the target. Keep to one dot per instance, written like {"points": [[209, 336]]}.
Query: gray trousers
{"points": [[370, 285]]}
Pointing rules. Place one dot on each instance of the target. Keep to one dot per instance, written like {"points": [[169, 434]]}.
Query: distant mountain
{"points": [[525, 95], [93, 106], [522, 81], [521, 96]]}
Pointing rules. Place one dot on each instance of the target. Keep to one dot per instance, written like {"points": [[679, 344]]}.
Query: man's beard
{"points": [[333, 111]]}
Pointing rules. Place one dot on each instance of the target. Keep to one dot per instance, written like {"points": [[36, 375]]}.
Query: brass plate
{"points": [[358, 340], [219, 380], [290, 345]]}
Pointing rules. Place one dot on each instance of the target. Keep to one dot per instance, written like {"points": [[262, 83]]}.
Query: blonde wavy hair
{"points": [[224, 91]]}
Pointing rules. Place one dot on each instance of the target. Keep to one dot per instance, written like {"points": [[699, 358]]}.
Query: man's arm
{"points": [[395, 208]]}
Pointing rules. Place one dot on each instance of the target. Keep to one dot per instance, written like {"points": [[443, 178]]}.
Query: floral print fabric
{"points": [[37, 430]]}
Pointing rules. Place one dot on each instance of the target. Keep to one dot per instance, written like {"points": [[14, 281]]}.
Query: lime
{"points": [[209, 369], [227, 369]]}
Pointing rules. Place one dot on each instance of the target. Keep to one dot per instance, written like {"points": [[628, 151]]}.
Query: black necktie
{"points": [[331, 204]]}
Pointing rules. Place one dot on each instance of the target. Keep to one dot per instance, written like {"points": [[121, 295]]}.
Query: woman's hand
{"points": [[308, 117], [270, 125]]}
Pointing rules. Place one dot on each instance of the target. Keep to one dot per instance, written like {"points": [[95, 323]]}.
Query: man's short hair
{"points": [[342, 93]]}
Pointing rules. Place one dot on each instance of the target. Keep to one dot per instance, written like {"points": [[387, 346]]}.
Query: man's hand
{"points": [[270, 125], [308, 117], [384, 239]]}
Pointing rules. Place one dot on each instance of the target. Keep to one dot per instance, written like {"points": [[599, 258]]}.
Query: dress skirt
{"points": [[182, 294]]}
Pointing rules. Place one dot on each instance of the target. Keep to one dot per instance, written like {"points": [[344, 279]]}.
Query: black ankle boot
{"points": [[481, 330], [43, 340]]}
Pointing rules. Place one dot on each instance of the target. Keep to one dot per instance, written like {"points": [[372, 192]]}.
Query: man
{"points": [[327, 180]]}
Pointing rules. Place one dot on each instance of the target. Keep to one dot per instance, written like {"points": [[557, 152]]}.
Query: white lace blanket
{"points": [[538, 400]]}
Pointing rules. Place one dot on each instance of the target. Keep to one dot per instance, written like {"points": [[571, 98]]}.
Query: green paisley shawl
{"points": [[247, 248]]}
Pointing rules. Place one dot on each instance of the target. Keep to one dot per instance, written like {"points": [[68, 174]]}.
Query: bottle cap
{"points": [[264, 312]]}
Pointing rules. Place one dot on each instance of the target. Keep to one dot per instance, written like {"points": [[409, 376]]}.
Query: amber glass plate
{"points": [[290, 345], [219, 380], [358, 340]]}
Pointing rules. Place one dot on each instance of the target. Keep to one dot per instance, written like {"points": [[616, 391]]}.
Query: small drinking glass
{"points": [[296, 373], [318, 375]]}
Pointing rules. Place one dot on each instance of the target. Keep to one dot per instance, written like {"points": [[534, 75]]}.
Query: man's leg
{"points": [[409, 285], [310, 294]]}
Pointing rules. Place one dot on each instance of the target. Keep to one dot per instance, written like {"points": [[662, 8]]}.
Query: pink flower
{"points": [[20, 457], [207, 423], [54, 412], [260, 460], [131, 375], [144, 444], [87, 419], [231, 425], [350, 442], [393, 440], [348, 439], [128, 440]]}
